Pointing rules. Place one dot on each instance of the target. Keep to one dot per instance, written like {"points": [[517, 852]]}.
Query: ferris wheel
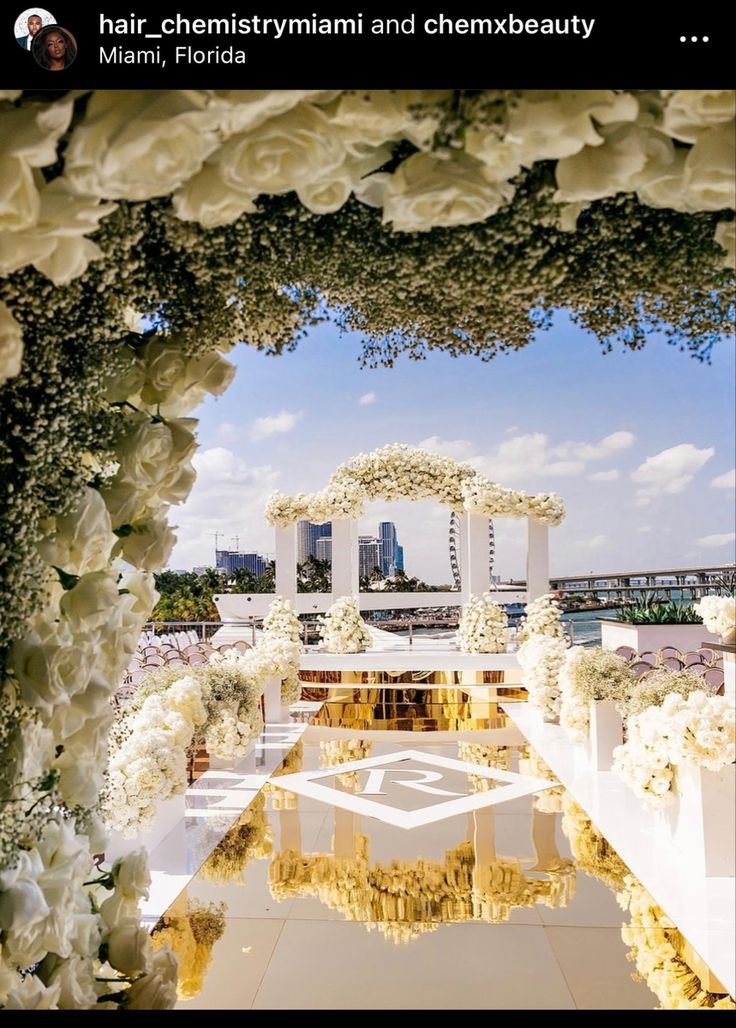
{"points": [[455, 548]]}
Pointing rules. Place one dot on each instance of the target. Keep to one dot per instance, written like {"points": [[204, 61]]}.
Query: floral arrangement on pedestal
{"points": [[590, 673], [483, 626], [655, 950], [541, 654], [190, 929], [81, 949], [342, 629], [698, 730], [719, 616], [126, 204], [405, 472], [281, 623]]}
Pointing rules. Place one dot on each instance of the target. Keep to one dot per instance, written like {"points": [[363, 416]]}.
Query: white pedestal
{"points": [[702, 822], [606, 732], [168, 815], [729, 674], [643, 638], [276, 713]]}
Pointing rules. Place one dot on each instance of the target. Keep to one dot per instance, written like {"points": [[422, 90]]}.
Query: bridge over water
{"points": [[693, 579]]}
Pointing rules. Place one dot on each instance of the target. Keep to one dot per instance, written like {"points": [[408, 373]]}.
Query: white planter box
{"points": [[168, 815], [606, 732], [729, 674], [702, 821], [653, 637]]}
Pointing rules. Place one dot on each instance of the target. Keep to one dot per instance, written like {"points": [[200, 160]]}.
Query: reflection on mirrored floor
{"points": [[414, 707], [517, 905]]}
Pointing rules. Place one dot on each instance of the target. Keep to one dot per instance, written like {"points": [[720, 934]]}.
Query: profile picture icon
{"points": [[29, 23], [54, 48]]}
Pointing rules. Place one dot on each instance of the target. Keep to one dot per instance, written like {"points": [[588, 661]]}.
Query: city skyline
{"points": [[640, 445]]}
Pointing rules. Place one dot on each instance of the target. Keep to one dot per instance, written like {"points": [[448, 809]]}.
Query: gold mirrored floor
{"points": [[307, 904]]}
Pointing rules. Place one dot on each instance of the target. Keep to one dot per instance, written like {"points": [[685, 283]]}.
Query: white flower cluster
{"points": [[483, 626], [86, 950], [698, 730], [541, 617], [342, 629], [591, 674], [217, 704], [281, 623], [718, 614], [397, 472], [541, 658]]}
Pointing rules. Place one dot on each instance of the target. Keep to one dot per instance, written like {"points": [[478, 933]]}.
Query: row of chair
{"points": [[150, 658], [704, 662]]}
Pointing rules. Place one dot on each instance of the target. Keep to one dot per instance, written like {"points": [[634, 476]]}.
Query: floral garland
{"points": [[718, 614], [652, 938], [190, 930], [698, 730], [541, 617], [541, 658], [342, 629], [216, 704], [81, 950], [591, 674], [482, 627], [396, 472]]}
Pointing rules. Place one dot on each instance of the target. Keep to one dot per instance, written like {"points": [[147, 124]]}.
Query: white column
{"points": [[344, 558], [475, 571], [537, 560], [286, 562]]}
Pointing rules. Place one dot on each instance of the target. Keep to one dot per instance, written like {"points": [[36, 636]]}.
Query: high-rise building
{"points": [[323, 548], [369, 555], [307, 535], [232, 560], [392, 554]]}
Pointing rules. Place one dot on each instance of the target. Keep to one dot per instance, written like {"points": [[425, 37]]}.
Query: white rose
{"points": [[165, 364], [50, 665], [207, 199], [132, 876], [129, 948], [65, 219], [282, 154], [149, 544], [75, 976], [81, 778], [80, 541], [376, 116], [549, 124], [157, 990], [135, 144], [140, 599], [22, 901], [208, 373], [89, 603], [20, 203], [32, 994], [242, 110], [32, 131], [425, 192], [708, 176], [689, 111], [11, 344], [616, 166]]}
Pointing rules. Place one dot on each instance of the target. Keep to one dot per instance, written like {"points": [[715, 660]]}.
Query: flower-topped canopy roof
{"points": [[399, 472]]}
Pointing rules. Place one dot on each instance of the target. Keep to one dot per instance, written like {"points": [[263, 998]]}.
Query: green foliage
{"points": [[652, 611]]}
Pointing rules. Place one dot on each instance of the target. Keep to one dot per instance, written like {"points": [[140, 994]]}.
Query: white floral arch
{"points": [[397, 472]]}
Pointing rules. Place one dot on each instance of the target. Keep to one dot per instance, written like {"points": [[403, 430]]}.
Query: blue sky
{"points": [[632, 441]]}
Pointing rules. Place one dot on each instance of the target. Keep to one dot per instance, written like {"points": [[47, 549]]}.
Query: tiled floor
{"points": [[336, 910]]}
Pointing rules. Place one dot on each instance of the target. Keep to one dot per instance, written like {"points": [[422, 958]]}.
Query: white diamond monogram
{"points": [[391, 769]]}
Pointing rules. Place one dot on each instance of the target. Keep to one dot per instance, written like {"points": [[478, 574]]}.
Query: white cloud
{"points": [[229, 496], [718, 539], [644, 528], [228, 432], [725, 481], [594, 543], [670, 471], [367, 399], [613, 443], [274, 424], [605, 476]]}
